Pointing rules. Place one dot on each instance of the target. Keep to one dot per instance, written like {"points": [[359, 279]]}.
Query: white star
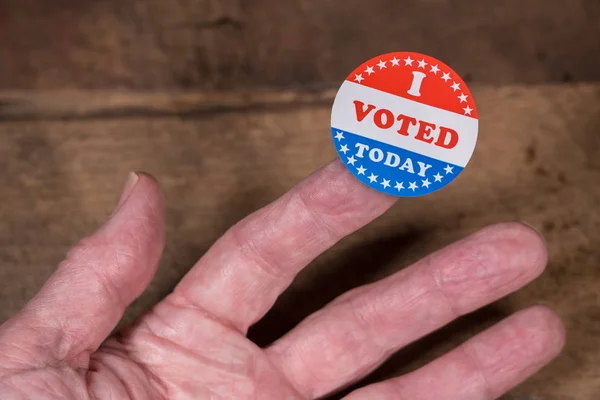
{"points": [[426, 183], [385, 184], [351, 160], [369, 70], [455, 86], [408, 61], [395, 62], [413, 186], [449, 170], [361, 170], [438, 177], [434, 69], [339, 136], [359, 78], [373, 178], [399, 185], [463, 97], [468, 110], [422, 64], [344, 149], [446, 76], [382, 64]]}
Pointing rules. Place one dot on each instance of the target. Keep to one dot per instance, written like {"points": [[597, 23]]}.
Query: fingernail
{"points": [[531, 226], [132, 180], [536, 230]]}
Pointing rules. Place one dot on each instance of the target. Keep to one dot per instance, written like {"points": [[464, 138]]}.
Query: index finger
{"points": [[241, 276]]}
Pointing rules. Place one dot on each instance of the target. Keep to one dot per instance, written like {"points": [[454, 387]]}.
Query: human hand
{"points": [[193, 344]]}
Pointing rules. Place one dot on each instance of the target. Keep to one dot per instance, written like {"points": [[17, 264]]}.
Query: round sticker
{"points": [[404, 124]]}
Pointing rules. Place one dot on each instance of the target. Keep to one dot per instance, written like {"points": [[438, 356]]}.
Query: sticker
{"points": [[405, 124]]}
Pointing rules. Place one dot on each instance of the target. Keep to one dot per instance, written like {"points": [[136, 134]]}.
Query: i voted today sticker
{"points": [[404, 124]]}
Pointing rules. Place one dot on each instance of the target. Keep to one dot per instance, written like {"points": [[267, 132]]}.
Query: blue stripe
{"points": [[371, 168]]}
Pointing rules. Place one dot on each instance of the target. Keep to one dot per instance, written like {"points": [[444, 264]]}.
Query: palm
{"points": [[192, 345], [120, 369]]}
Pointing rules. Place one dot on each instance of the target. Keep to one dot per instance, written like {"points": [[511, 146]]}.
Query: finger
{"points": [[242, 275], [354, 334], [85, 298], [485, 367]]}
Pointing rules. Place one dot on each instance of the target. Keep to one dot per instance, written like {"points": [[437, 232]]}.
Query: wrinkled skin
{"points": [[193, 344]]}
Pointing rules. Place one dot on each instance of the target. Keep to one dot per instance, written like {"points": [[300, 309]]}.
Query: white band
{"points": [[344, 116]]}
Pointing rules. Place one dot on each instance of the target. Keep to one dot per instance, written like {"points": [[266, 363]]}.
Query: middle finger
{"points": [[355, 333]]}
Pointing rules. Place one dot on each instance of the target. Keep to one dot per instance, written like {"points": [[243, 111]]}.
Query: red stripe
{"points": [[434, 90]]}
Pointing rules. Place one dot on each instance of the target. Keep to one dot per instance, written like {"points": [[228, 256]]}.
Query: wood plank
{"points": [[211, 44]]}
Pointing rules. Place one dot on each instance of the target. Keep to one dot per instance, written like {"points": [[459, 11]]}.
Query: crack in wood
{"points": [[29, 106], [222, 22]]}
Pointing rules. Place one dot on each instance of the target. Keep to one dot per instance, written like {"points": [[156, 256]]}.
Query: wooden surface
{"points": [[537, 160], [227, 103], [230, 44]]}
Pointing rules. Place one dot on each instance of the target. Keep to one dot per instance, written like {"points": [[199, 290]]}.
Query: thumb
{"points": [[85, 298]]}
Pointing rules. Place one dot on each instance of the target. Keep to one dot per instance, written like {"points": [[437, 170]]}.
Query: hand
{"points": [[192, 345]]}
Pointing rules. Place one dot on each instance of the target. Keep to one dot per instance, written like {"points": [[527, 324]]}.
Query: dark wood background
{"points": [[228, 102]]}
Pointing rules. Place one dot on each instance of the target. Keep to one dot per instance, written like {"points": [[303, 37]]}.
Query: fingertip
{"points": [[147, 177], [149, 184], [148, 202], [525, 246], [551, 333], [141, 215], [533, 240], [145, 195], [515, 348], [132, 180], [139, 187]]}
